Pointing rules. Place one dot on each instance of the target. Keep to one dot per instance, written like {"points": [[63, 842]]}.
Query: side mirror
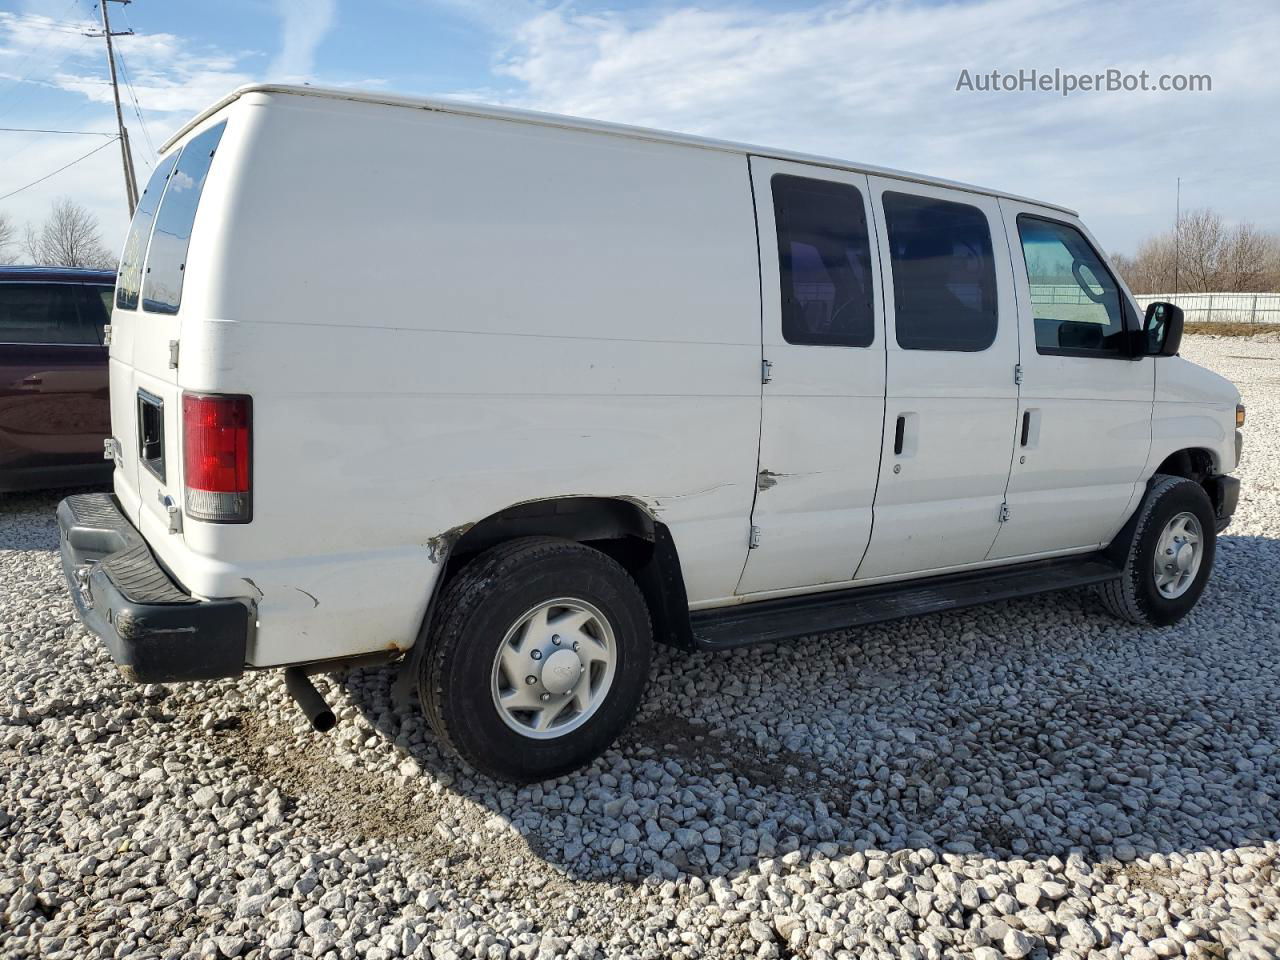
{"points": [[1162, 329]]}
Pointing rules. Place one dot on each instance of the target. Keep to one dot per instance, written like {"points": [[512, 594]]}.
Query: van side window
{"points": [[44, 313], [129, 280], [167, 257], [944, 275], [1075, 301], [824, 262]]}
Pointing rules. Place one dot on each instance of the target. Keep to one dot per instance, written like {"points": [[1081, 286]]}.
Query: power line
{"points": [[100, 146], [34, 50], [77, 133], [133, 94], [137, 109], [126, 155]]}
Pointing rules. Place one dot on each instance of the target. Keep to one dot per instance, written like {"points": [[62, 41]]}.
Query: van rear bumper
{"points": [[155, 631]]}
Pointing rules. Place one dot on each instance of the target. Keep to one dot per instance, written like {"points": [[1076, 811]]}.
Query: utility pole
{"points": [[1178, 231], [126, 154]]}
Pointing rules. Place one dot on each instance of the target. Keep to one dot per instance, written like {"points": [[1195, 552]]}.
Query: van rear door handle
{"points": [[899, 433], [1026, 426]]}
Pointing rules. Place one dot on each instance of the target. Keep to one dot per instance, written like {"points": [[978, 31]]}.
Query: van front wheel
{"points": [[537, 658], [1169, 556]]}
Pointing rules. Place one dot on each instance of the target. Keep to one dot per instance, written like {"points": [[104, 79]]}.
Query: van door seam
{"points": [[755, 487]]}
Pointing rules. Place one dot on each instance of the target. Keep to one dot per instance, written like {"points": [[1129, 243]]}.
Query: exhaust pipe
{"points": [[309, 700]]}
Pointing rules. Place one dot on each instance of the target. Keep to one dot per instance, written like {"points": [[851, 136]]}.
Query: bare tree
{"points": [[1203, 256], [1249, 258], [1200, 239], [8, 240], [69, 238]]}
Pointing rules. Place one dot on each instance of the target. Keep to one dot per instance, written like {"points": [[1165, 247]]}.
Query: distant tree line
{"points": [[69, 237], [1204, 255]]}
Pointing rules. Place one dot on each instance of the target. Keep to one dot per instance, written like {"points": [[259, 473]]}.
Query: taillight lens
{"points": [[216, 434]]}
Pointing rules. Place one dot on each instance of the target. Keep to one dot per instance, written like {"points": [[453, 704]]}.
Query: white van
{"points": [[508, 396]]}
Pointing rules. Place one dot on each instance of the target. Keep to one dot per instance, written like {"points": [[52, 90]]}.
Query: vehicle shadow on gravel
{"points": [[30, 517], [1027, 729]]}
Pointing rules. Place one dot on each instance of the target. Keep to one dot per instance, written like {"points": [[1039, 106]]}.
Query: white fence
{"points": [[1221, 307]]}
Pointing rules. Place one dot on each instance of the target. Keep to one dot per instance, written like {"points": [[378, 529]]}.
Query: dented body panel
{"points": [[597, 336]]}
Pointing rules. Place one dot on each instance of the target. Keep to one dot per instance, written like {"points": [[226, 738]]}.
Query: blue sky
{"points": [[871, 80]]}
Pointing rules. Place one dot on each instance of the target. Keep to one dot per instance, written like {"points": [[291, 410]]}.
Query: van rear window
{"points": [[129, 281], [167, 257]]}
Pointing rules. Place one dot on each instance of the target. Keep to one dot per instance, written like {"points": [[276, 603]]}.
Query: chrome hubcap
{"points": [[554, 668], [1178, 554]]}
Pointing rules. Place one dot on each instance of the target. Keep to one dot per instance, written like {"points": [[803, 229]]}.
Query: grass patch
{"points": [[1231, 329]]}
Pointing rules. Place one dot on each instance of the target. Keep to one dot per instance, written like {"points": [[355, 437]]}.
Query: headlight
{"points": [[1239, 415]]}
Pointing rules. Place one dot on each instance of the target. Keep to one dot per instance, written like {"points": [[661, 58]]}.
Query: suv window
{"points": [[167, 256], [1075, 301], [95, 305], [944, 276], [129, 280], [824, 262], [44, 313]]}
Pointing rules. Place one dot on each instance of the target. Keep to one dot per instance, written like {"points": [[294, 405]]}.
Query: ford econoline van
{"points": [[508, 397]]}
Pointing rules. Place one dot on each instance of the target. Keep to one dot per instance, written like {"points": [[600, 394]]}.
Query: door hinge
{"points": [[753, 539], [1004, 512], [173, 354], [1017, 373], [106, 335], [766, 371], [110, 449]]}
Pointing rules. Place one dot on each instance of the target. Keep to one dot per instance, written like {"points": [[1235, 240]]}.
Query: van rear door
{"points": [[146, 402]]}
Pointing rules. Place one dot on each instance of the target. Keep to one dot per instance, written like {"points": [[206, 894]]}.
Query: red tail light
{"points": [[216, 435]]}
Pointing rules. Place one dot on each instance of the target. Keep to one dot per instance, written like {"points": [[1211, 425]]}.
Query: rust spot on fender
{"points": [[438, 546], [767, 478]]}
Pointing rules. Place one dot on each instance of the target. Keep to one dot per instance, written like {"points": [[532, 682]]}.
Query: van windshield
{"points": [[129, 280]]}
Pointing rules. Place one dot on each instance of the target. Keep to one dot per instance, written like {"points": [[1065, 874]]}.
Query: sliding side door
{"points": [[951, 397], [823, 400]]}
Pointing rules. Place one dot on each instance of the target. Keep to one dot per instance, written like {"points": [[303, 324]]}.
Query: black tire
{"points": [[1134, 596], [476, 610]]}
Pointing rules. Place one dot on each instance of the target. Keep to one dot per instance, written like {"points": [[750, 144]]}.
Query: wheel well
{"points": [[622, 529], [1194, 464]]}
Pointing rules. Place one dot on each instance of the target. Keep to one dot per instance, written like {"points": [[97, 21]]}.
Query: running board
{"points": [[765, 621]]}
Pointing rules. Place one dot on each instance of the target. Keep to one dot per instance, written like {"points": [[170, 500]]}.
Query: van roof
{"points": [[514, 115]]}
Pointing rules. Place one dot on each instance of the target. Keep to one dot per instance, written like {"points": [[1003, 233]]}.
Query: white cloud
{"points": [[305, 25], [168, 73], [171, 76], [875, 82]]}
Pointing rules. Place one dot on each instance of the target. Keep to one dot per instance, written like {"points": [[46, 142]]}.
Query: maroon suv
{"points": [[54, 407]]}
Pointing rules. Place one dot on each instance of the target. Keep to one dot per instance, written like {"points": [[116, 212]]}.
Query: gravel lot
{"points": [[1029, 779]]}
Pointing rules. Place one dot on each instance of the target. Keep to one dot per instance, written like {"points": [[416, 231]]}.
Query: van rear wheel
{"points": [[1169, 556], [537, 658]]}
